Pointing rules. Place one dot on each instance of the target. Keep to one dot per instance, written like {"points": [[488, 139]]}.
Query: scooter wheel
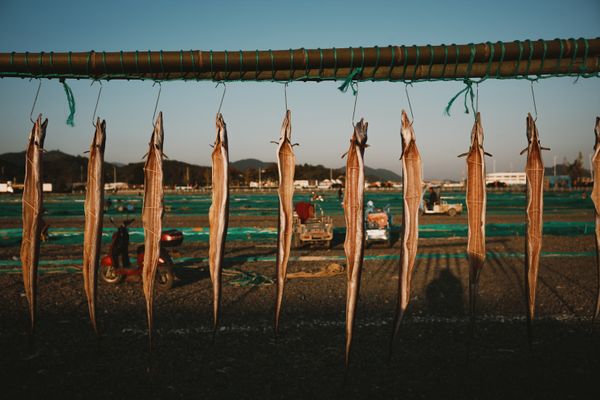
{"points": [[164, 278], [109, 275]]}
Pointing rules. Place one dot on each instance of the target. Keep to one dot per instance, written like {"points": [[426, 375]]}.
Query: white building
{"points": [[301, 184], [509, 178]]}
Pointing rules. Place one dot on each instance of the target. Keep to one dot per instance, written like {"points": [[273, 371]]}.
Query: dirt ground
{"points": [[245, 361]]}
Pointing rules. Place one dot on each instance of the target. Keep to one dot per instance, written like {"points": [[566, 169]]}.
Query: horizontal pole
{"points": [[500, 59]]}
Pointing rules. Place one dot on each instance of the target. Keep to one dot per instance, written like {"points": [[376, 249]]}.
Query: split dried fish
{"points": [[152, 214], [32, 213], [476, 201], [286, 164], [534, 170], [412, 188], [355, 224], [218, 215], [596, 200], [94, 213]]}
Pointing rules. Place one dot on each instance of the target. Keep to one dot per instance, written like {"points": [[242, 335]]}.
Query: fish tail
{"points": [[352, 300], [399, 316], [280, 286], [216, 300]]}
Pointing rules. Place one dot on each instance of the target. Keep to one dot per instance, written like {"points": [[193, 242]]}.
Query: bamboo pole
{"points": [[503, 60]]}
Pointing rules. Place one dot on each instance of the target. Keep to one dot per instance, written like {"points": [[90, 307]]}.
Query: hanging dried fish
{"points": [[32, 213], [218, 215], [286, 163], [355, 223], [152, 215], [476, 201], [596, 200], [94, 212], [535, 207], [412, 187]]}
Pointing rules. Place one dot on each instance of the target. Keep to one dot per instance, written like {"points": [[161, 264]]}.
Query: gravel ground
{"points": [[306, 361]]}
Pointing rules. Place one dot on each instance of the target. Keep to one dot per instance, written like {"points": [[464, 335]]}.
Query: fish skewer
{"points": [[152, 215], [596, 199], [355, 224], [286, 163], [534, 170], [412, 188], [476, 202], [218, 215], [94, 212], [32, 213]]}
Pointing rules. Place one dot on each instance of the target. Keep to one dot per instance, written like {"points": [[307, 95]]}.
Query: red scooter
{"points": [[116, 266]]}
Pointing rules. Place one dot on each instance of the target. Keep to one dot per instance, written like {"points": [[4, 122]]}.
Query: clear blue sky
{"points": [[321, 115]]}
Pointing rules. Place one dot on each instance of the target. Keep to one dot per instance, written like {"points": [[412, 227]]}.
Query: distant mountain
{"points": [[382, 174], [64, 170], [249, 163]]}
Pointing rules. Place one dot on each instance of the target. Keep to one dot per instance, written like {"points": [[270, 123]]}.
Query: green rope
{"points": [[583, 66], [71, 101], [492, 51], [320, 63], [150, 63], [519, 60], [502, 53], [210, 59], [137, 62], [543, 58], [335, 64], [416, 63], [445, 61], [529, 59], [430, 61], [457, 49], [405, 55], [256, 66], [306, 60], [121, 61], [392, 62], [575, 45], [376, 64], [241, 64], [471, 59], [468, 91], [193, 63], [347, 82]]}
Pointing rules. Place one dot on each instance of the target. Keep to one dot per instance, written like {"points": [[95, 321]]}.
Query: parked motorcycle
{"points": [[116, 266]]}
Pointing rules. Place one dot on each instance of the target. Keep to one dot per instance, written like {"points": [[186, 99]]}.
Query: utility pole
{"points": [[187, 175], [81, 173], [115, 177], [591, 167], [494, 161], [259, 178], [555, 165]]}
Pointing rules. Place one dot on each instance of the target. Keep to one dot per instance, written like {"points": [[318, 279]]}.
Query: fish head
{"points": [[158, 133], [360, 133], [286, 127], [100, 135], [477, 133], [532, 132], [38, 133], [407, 133], [221, 138], [597, 132]]}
